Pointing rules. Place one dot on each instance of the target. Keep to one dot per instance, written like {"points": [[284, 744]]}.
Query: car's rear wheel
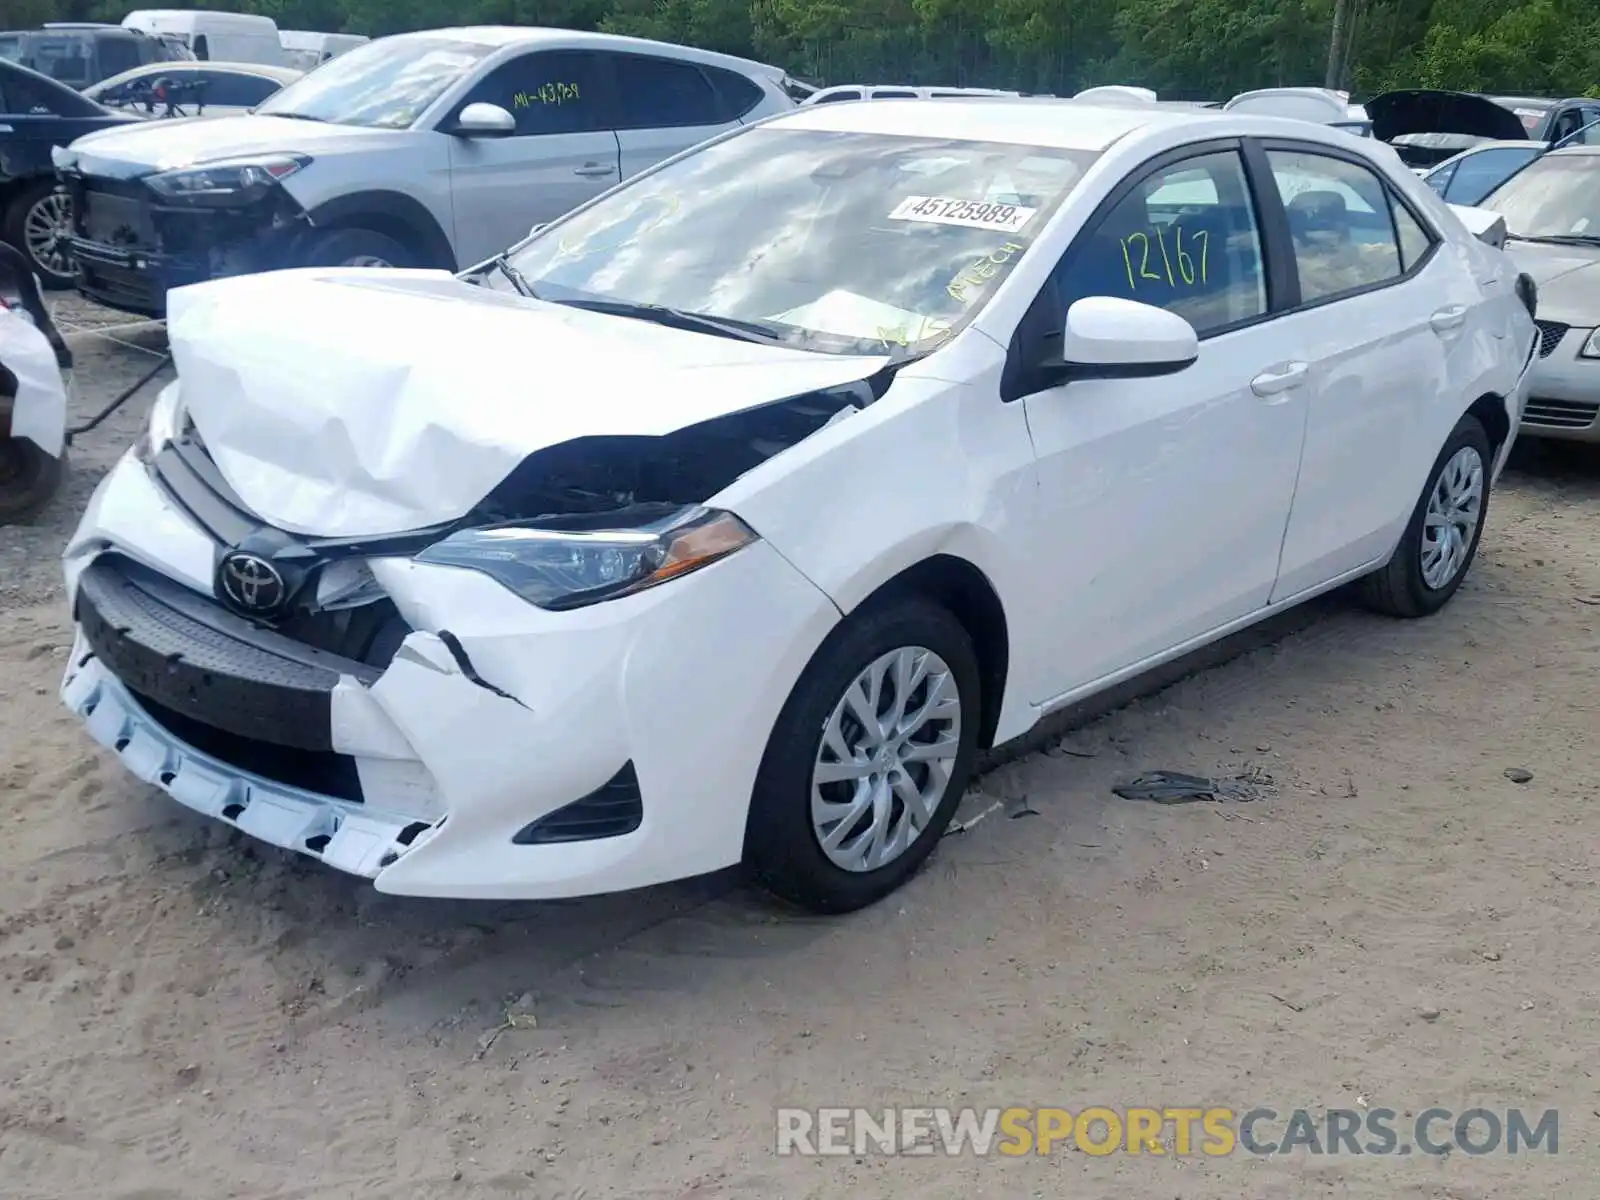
{"points": [[38, 221], [1441, 539], [28, 478], [356, 248], [868, 760]]}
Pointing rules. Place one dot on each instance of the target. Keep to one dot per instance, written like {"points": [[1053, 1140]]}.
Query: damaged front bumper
{"points": [[131, 249], [503, 752]]}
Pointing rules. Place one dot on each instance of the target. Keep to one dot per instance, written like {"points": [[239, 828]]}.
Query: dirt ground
{"points": [[1395, 923]]}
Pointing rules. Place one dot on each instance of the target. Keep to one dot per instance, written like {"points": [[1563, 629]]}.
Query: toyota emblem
{"points": [[250, 583]]}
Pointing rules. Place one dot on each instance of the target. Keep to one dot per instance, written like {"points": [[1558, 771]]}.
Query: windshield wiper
{"points": [[294, 116], [678, 318], [503, 264], [1557, 239]]}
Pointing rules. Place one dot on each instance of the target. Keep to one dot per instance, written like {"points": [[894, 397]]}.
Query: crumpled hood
{"points": [[1568, 279], [145, 147], [1421, 111], [352, 403]]}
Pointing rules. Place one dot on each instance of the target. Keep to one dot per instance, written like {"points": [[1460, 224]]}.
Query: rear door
{"points": [[564, 150], [1381, 312], [664, 105]]}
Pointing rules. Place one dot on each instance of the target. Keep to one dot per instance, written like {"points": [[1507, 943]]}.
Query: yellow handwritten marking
{"points": [[1185, 259], [980, 272], [547, 93]]}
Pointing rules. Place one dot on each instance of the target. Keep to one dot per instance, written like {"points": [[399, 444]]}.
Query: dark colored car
{"points": [[1426, 127], [80, 55], [37, 114]]}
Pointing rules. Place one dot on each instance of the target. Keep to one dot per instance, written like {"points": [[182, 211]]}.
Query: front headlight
{"points": [[168, 418], [1591, 348], [563, 565], [227, 183]]}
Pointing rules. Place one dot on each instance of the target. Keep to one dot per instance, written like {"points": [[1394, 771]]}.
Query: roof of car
{"points": [[516, 35], [1063, 124], [1591, 151], [267, 70]]}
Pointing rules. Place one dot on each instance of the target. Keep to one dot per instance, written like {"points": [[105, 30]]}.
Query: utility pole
{"points": [[1336, 40]]}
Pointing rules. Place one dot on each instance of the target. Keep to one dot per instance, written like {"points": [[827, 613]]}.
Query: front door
{"points": [[562, 153], [1163, 502]]}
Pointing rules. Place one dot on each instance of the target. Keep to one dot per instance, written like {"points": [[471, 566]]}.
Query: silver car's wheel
{"points": [[885, 759], [366, 260], [1455, 507], [46, 227]]}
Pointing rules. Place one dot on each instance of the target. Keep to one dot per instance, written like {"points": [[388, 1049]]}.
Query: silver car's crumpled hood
{"points": [[351, 403], [1568, 279]]}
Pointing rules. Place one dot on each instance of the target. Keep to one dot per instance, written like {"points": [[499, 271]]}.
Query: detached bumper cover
{"points": [[352, 837]]}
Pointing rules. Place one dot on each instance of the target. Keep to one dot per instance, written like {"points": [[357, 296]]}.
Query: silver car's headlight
{"points": [[566, 563], [228, 183], [1591, 348]]}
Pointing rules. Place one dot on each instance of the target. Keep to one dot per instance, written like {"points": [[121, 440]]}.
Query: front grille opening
{"points": [[611, 810], [319, 771], [1560, 414], [1550, 335]]}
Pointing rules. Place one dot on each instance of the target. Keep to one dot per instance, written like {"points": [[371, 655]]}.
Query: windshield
{"points": [[385, 84], [840, 242], [1552, 197]]}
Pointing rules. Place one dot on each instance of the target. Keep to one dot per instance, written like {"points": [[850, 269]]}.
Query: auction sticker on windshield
{"points": [[975, 214]]}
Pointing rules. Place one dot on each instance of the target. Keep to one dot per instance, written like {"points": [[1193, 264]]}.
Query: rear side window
{"points": [[738, 94], [236, 90], [1341, 222], [660, 93]]}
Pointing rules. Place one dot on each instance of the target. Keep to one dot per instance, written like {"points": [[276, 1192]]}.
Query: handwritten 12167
{"points": [[1136, 252]]}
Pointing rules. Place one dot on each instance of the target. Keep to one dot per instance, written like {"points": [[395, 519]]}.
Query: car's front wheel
{"points": [[354, 247], [868, 760], [38, 222], [1441, 539]]}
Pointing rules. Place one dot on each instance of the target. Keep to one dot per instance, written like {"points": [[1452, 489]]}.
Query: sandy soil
{"points": [[1395, 923]]}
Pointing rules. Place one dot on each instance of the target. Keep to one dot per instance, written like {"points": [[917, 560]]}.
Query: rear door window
{"points": [[661, 93], [117, 54]]}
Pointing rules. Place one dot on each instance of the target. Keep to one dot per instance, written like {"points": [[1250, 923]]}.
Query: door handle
{"points": [[1280, 379], [1451, 317], [594, 170]]}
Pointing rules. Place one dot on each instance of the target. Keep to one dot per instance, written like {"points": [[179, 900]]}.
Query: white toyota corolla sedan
{"points": [[727, 518]]}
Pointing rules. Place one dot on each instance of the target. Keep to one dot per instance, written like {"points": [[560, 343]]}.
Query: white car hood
{"points": [[140, 148], [352, 403]]}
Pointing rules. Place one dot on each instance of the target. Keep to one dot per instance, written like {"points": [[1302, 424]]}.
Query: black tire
{"points": [[1399, 589], [12, 225], [28, 478], [353, 246], [781, 851]]}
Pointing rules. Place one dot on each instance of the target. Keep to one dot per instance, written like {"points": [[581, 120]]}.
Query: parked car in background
{"points": [[307, 51], [432, 149], [36, 115], [1551, 208], [1473, 174], [696, 529], [79, 55], [894, 91], [223, 36], [1427, 127], [192, 89], [33, 393]]}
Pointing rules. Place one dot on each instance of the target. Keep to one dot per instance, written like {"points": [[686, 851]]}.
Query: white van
{"points": [[213, 36], [306, 51]]}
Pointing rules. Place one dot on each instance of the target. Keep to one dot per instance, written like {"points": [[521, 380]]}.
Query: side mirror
{"points": [[484, 120], [1104, 337]]}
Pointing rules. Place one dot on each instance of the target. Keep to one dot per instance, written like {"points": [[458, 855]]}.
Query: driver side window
{"points": [[1184, 238], [558, 91]]}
